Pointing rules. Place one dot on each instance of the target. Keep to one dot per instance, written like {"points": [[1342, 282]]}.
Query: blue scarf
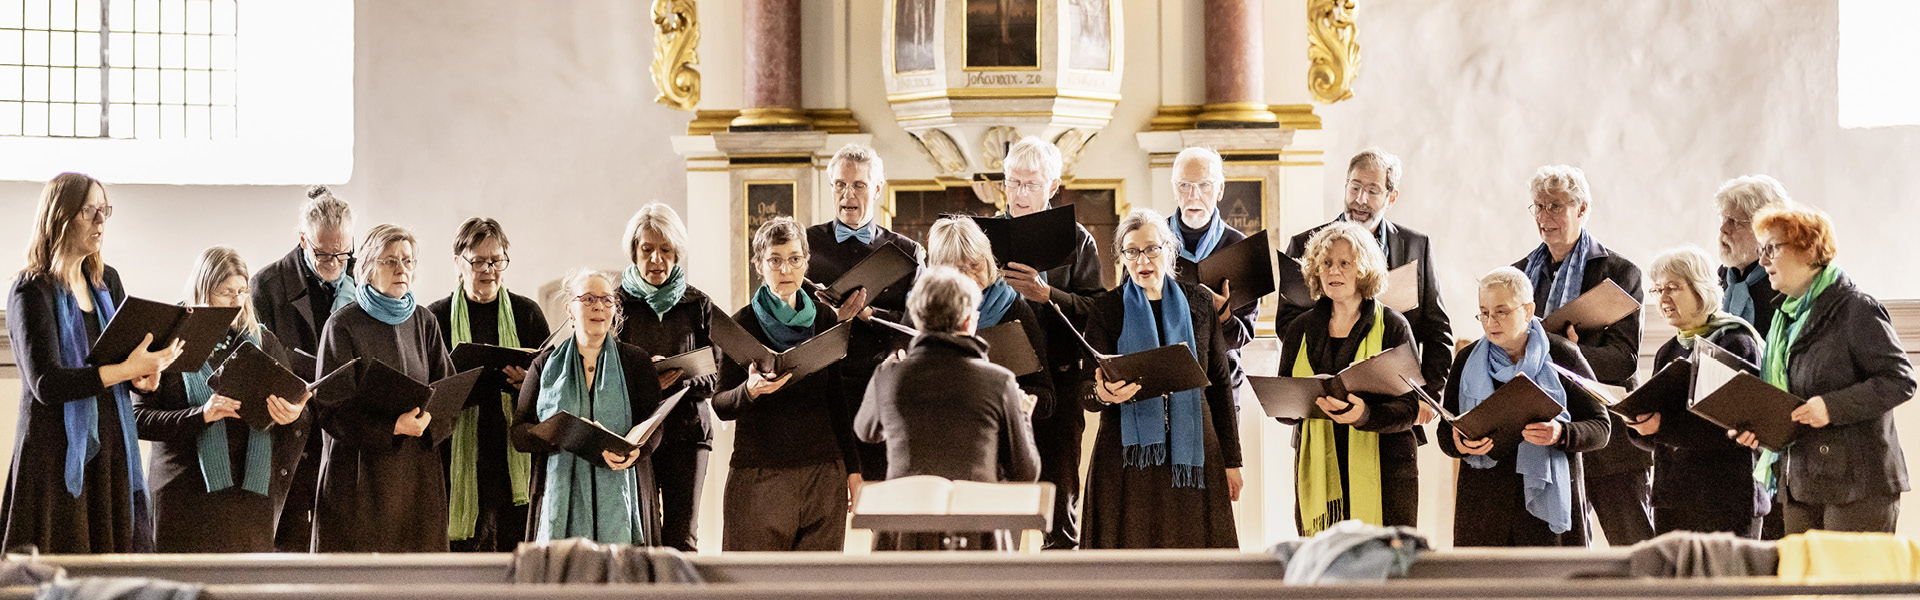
{"points": [[216, 466], [389, 310], [583, 498], [1739, 300], [660, 299], [994, 302], [841, 232], [344, 288], [1209, 241], [784, 325], [1566, 281], [1146, 423], [82, 416], [1545, 472]]}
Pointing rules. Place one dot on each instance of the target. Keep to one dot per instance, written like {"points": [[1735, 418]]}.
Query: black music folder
{"points": [[588, 439], [1007, 343], [1601, 306], [1670, 388], [1387, 373], [1291, 282], [1516, 404], [249, 375], [875, 273], [1725, 394], [469, 356], [1248, 264], [818, 352], [1160, 371], [692, 364], [202, 327], [1043, 240], [399, 394]]}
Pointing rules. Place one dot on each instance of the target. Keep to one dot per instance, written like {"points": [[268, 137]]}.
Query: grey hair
{"points": [[1692, 265], [1370, 278], [215, 265], [1147, 218], [959, 241], [575, 283], [1747, 195], [378, 239], [1216, 166], [1561, 179], [1509, 279], [777, 231], [941, 299], [661, 219], [1034, 153], [323, 210], [859, 154], [1374, 157]]}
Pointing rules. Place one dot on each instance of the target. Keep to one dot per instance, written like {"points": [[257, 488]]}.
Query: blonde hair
{"points": [[958, 242], [1561, 180], [1692, 265], [1748, 195], [1034, 153], [941, 299], [1370, 266], [215, 265], [378, 238], [1510, 279], [661, 219], [60, 203]]}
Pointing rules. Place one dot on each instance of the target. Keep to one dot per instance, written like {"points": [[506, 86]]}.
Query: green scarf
{"points": [[1321, 500], [1780, 338], [662, 298], [1716, 321], [463, 489]]}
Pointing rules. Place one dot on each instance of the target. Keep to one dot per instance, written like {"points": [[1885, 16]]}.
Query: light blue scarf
{"points": [[82, 415], [842, 233], [1566, 281], [1146, 423], [661, 299], [1209, 241], [994, 302], [583, 498], [216, 466], [1545, 472], [344, 288], [1739, 299], [389, 310], [784, 325]]}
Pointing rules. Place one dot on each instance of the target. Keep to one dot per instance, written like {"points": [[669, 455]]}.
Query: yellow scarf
{"points": [[1317, 468]]}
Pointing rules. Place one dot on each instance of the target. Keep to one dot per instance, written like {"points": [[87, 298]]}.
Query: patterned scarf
{"points": [[1716, 322]]}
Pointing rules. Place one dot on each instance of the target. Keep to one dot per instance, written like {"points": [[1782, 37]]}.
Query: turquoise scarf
{"points": [[1781, 335], [784, 325], [994, 302], [661, 299], [1739, 299], [584, 498], [1147, 423], [389, 310], [216, 466]]}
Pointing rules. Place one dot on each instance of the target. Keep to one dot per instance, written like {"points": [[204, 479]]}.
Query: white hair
{"points": [[1216, 169], [1035, 154], [941, 299], [1510, 280], [1146, 218], [1747, 195], [860, 155], [322, 210], [1692, 265], [1562, 180]]}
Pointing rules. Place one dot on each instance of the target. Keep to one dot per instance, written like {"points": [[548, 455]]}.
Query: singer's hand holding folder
{"points": [[1158, 372], [818, 352], [201, 327], [588, 439], [1386, 373]]}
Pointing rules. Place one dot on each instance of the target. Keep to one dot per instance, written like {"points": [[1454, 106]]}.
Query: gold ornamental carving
{"points": [[676, 38], [1333, 50]]}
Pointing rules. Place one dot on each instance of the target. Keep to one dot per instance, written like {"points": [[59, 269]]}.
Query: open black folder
{"points": [[1291, 282], [1043, 240], [588, 439], [875, 273], [1601, 306], [1668, 389], [695, 363], [1726, 394], [1247, 263], [818, 352], [1387, 373], [202, 327], [469, 356], [249, 375], [399, 394], [1160, 371], [1007, 343], [1513, 406]]}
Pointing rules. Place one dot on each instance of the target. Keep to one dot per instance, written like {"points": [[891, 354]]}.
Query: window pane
{"points": [[9, 118], [173, 16], [199, 16], [225, 125], [60, 46], [224, 91], [89, 18], [120, 120], [60, 119], [146, 50], [199, 47], [34, 118], [146, 86], [120, 49], [60, 84], [120, 15], [10, 45], [173, 122], [9, 83], [223, 52], [146, 16], [10, 17], [173, 51], [199, 87], [36, 14], [199, 122], [224, 19], [62, 15], [146, 121], [86, 120], [119, 85], [86, 85], [173, 87], [35, 83], [36, 48], [86, 49]]}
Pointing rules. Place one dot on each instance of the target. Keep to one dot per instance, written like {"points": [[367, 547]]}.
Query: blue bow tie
{"points": [[841, 232]]}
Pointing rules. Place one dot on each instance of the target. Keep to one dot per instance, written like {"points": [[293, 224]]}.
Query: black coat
{"points": [[493, 480], [1765, 300], [683, 329], [643, 397], [1849, 355], [807, 422], [1238, 330], [1487, 502], [379, 492], [1139, 507], [292, 302], [1391, 417], [944, 410], [1431, 328], [1038, 383], [829, 259], [39, 511], [187, 517], [1612, 351], [1695, 465], [1072, 287]]}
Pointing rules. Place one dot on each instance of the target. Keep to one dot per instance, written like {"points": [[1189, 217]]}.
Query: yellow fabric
{"points": [[1318, 491], [1848, 557]]}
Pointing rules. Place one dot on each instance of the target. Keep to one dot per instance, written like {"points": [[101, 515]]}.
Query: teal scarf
{"points": [[584, 498], [1781, 335], [994, 302], [784, 325], [344, 288], [1152, 429], [389, 310], [216, 466], [463, 475], [661, 299]]}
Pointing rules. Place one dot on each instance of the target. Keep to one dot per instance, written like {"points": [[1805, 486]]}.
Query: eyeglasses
{"points": [[485, 265], [1499, 314], [231, 294], [1666, 290], [1011, 186], [96, 213], [1771, 251], [331, 258], [841, 187], [597, 300], [1739, 223], [1149, 252], [1356, 189], [1189, 187], [1555, 209], [774, 263], [397, 264]]}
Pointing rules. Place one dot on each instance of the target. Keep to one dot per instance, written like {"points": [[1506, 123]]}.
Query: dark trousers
{"points": [[1620, 500], [1058, 439], [1871, 514], [1737, 520], [295, 532], [791, 508], [679, 469], [1774, 525], [499, 527]]}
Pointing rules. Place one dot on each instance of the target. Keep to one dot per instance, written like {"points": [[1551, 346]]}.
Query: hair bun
{"points": [[318, 191]]}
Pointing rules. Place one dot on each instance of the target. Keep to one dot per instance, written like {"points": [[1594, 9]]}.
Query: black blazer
{"points": [[683, 329], [1613, 351], [1238, 330], [944, 410], [1695, 464], [1431, 328], [292, 303], [1849, 355]]}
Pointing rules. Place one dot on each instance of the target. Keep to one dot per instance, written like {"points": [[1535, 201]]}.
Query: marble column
{"points": [[772, 32], [1235, 63]]}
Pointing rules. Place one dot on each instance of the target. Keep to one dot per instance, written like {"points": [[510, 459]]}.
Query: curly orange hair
{"points": [[1802, 227]]}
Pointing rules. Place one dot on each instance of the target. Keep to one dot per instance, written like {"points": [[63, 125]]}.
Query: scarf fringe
{"points": [[1151, 455], [1189, 476]]}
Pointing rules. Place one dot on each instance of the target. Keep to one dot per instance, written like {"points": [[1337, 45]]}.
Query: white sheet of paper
{"points": [[976, 498], [1403, 288], [1708, 376]]}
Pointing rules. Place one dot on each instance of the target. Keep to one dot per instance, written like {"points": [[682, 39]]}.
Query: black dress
{"points": [[104, 518], [1139, 507], [1389, 416], [1702, 480], [643, 396], [379, 492], [187, 517], [499, 525], [829, 259], [680, 463]]}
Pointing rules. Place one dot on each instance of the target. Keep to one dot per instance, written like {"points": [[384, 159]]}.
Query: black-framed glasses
{"points": [[1149, 252], [597, 300], [332, 258], [488, 265], [96, 213]]}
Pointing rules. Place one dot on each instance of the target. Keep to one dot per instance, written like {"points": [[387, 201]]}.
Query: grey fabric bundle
{"points": [[580, 560]]}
